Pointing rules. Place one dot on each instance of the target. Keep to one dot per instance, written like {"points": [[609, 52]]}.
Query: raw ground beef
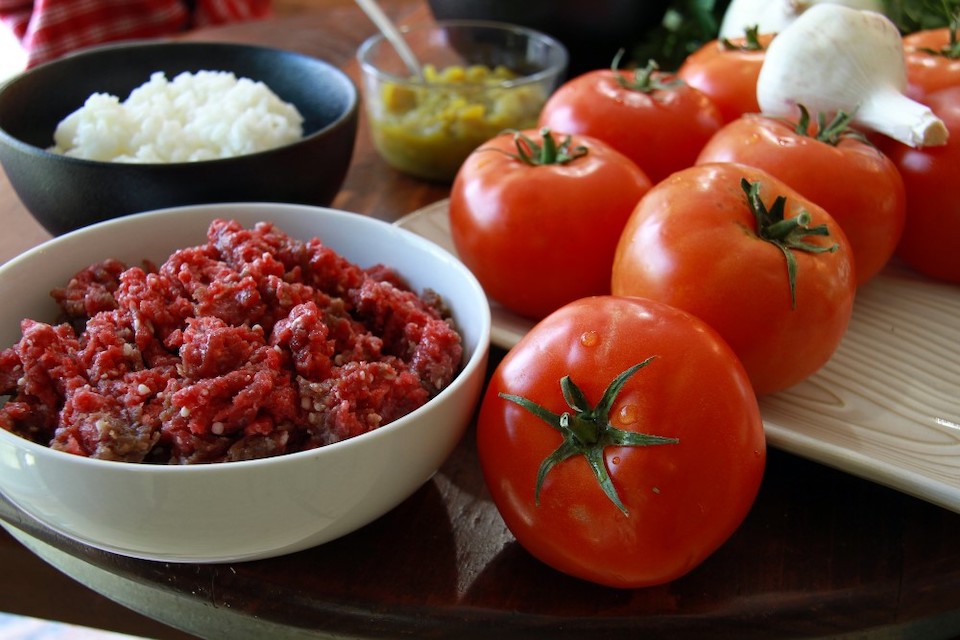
{"points": [[252, 345]]}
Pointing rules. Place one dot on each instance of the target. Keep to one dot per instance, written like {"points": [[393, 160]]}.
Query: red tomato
{"points": [[653, 118], [832, 165], [932, 62], [931, 238], [726, 71], [660, 472], [695, 242], [538, 235]]}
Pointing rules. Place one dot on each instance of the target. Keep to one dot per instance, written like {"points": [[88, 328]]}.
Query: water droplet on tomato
{"points": [[615, 460], [628, 414], [589, 338]]}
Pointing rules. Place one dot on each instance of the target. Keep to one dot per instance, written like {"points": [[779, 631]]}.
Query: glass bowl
{"points": [[479, 79]]}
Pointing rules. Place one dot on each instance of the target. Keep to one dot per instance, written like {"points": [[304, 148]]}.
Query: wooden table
{"points": [[822, 554]]}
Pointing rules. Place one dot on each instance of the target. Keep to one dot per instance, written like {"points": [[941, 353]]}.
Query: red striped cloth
{"points": [[48, 29]]}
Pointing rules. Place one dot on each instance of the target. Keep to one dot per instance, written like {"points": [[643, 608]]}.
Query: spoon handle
{"points": [[390, 31]]}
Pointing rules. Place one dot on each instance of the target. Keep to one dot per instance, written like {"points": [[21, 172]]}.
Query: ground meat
{"points": [[11, 370], [99, 427], [364, 396], [409, 331], [91, 290], [252, 345]]}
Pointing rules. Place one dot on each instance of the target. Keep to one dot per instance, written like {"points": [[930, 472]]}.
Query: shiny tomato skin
{"points": [[683, 500], [537, 237], [727, 76], [662, 130], [692, 243], [930, 243], [858, 185], [929, 72]]}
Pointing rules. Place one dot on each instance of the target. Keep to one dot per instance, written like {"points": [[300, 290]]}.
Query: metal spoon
{"points": [[392, 34]]}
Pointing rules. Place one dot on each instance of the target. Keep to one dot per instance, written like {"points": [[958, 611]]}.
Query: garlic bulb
{"points": [[833, 58], [773, 16]]}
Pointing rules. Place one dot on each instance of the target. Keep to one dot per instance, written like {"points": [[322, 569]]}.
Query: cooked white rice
{"points": [[202, 116]]}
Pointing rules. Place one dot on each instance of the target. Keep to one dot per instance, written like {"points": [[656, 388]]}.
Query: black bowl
{"points": [[593, 32], [65, 193]]}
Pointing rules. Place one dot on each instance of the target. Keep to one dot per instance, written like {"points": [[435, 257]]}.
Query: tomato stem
{"points": [[645, 80], [751, 41], [829, 132], [587, 431], [548, 152], [952, 49], [787, 234]]}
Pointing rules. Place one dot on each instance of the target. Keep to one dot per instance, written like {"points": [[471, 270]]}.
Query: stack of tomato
{"points": [[683, 255]]}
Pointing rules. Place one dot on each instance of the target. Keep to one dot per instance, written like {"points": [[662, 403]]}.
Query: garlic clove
{"points": [[835, 58]]}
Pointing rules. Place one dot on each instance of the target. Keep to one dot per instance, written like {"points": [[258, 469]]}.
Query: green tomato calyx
{"points": [[548, 152], [751, 41], [951, 50], [645, 80], [587, 431], [829, 132], [787, 234]]}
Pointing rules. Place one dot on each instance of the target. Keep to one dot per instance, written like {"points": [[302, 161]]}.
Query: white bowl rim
{"points": [[477, 358]]}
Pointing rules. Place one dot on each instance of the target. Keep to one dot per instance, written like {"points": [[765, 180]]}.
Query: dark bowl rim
{"points": [[350, 113], [556, 70]]}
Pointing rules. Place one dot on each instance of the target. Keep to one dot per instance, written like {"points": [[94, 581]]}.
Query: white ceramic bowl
{"points": [[253, 509]]}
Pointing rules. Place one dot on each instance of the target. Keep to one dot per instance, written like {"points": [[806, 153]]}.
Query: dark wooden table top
{"points": [[822, 553]]}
